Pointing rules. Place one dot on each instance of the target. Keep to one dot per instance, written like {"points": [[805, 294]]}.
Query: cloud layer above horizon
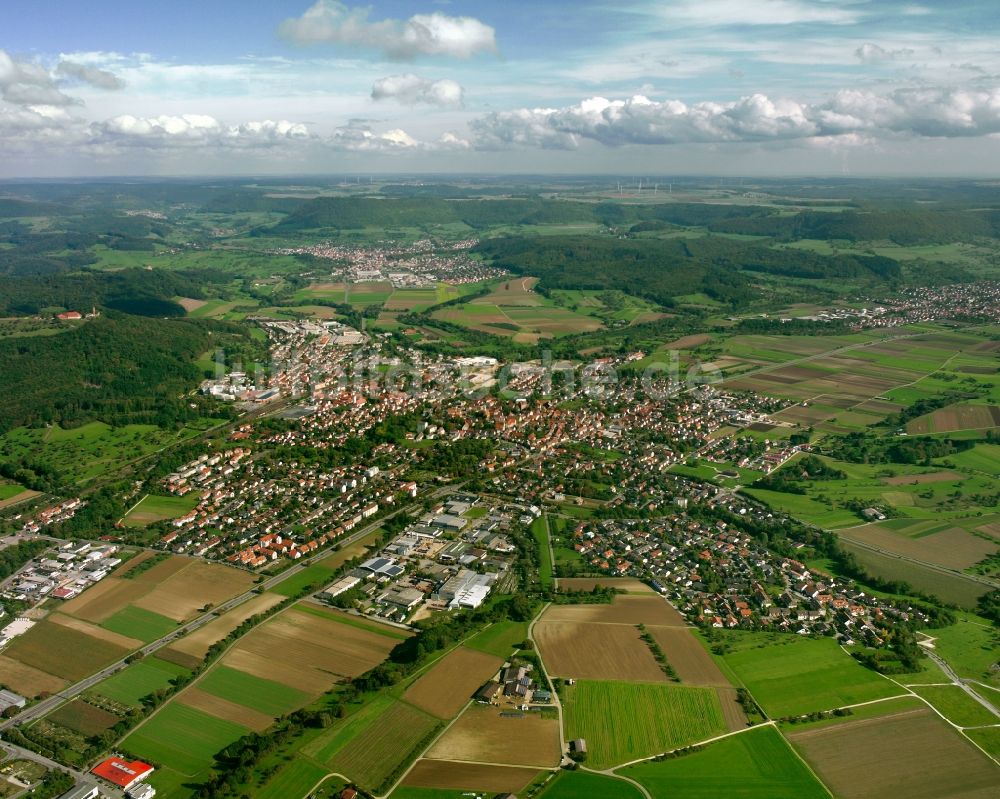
{"points": [[795, 84]]}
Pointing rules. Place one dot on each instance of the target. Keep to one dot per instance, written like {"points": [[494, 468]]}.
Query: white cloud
{"points": [[195, 130], [526, 127], [925, 112], [452, 141], [358, 136], [435, 34], [98, 78], [410, 89], [712, 13], [871, 53], [27, 83]]}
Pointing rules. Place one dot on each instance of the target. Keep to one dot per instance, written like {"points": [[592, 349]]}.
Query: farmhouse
{"points": [[121, 772], [489, 693]]}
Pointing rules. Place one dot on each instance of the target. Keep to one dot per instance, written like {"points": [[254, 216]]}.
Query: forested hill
{"points": [[119, 369], [906, 227], [139, 291], [660, 269], [358, 212]]}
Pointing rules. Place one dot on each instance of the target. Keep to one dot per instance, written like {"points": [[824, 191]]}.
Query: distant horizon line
{"points": [[421, 176]]}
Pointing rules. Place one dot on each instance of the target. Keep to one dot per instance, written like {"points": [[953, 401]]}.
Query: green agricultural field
{"points": [[326, 745], [311, 575], [946, 586], [540, 531], [499, 638], [375, 750], [956, 705], [971, 647], [131, 684], [623, 721], [981, 458], [182, 738], [139, 623], [581, 785], [8, 490], [151, 509], [758, 764], [267, 696], [63, 651], [806, 508], [988, 739], [793, 675], [895, 704], [295, 779]]}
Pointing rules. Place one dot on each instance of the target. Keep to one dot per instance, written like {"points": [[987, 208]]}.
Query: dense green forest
{"points": [[907, 227], [119, 369], [660, 269], [127, 289]]}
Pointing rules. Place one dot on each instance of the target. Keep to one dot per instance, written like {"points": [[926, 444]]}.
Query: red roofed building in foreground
{"points": [[121, 772]]}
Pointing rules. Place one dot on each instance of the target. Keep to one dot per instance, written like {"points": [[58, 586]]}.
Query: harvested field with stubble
{"points": [[732, 710], [115, 592], [629, 584], [625, 609], [469, 777], [451, 682], [482, 734], [595, 651], [191, 588], [197, 643], [956, 417], [926, 477], [953, 548], [687, 656], [308, 651], [27, 680], [913, 754], [516, 291]]}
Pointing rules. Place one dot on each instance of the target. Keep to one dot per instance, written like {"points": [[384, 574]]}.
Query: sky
{"points": [[625, 87]]}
